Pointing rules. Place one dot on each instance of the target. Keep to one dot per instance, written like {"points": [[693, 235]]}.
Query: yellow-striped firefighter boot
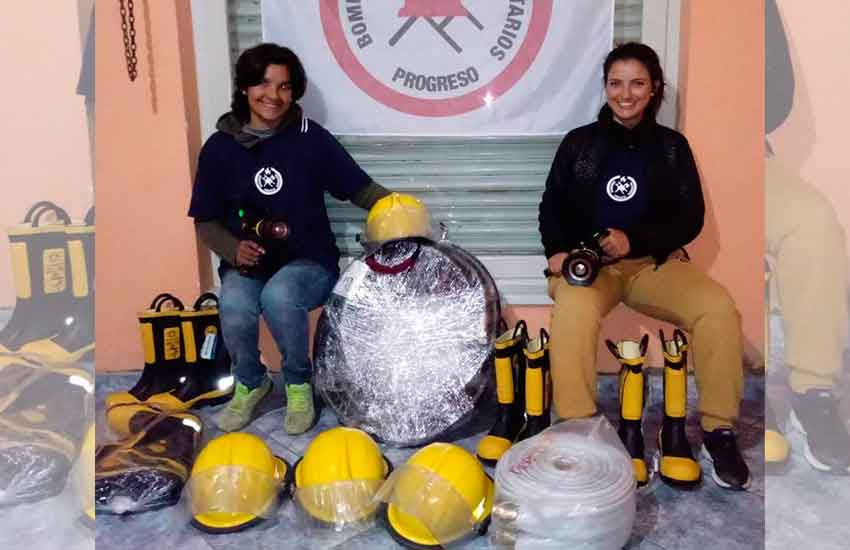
{"points": [[41, 271], [538, 387], [164, 355], [632, 356], [207, 379], [44, 414], [777, 451], [510, 394], [148, 469], [677, 465], [75, 340]]}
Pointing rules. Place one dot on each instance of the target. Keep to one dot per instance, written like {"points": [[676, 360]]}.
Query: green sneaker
{"points": [[300, 412], [240, 410]]}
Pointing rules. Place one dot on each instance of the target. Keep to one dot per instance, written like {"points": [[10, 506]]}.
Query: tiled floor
{"points": [[805, 508], [708, 517]]}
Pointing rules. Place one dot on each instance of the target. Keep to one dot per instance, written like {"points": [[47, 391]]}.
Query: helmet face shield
{"points": [[427, 508], [340, 503], [236, 482], [232, 492], [338, 477]]}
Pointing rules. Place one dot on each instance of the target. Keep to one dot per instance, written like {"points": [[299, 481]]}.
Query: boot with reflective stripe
{"points": [[164, 353], [44, 413], [510, 394], [207, 379], [148, 469], [75, 340], [538, 387], [632, 356], [677, 465], [41, 271]]}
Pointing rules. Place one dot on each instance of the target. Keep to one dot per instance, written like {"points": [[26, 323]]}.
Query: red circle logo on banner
{"points": [[435, 58]]}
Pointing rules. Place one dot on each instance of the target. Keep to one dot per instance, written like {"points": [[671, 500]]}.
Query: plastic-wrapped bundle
{"points": [[403, 343], [572, 486], [43, 418], [148, 469]]}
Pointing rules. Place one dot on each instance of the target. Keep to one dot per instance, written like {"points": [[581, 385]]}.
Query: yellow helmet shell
{"points": [[256, 477], [397, 216], [463, 485], [340, 464]]}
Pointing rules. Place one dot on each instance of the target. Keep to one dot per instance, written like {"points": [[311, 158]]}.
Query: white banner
{"points": [[447, 67]]}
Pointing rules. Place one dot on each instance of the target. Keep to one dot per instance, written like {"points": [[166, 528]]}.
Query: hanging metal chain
{"points": [[128, 27]]}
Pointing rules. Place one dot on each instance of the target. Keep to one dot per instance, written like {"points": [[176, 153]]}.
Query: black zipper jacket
{"points": [[675, 210]]}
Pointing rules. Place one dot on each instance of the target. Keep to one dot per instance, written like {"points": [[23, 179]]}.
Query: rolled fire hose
{"points": [[563, 490]]}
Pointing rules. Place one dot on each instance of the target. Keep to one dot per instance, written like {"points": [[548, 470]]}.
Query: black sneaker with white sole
{"points": [[720, 447], [827, 447]]}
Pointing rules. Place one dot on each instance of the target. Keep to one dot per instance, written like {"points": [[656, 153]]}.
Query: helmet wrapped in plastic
{"points": [[439, 496], [338, 476], [404, 343], [236, 482]]}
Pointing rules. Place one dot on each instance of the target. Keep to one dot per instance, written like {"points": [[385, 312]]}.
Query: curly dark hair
{"points": [[649, 59], [251, 69]]}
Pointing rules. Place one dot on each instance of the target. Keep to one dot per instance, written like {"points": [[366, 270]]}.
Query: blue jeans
{"points": [[284, 301]]}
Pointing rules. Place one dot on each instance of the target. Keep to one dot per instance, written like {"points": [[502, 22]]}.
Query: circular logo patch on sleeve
{"points": [[621, 188], [268, 180]]}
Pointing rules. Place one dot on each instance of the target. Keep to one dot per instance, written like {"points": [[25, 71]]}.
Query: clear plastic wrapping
{"points": [[44, 414], [234, 490], [572, 486], [404, 342], [146, 470], [340, 504], [425, 498]]}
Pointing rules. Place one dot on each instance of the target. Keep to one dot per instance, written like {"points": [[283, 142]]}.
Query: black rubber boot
{"points": [[43, 417], [510, 394], [75, 340], [42, 278], [165, 363], [207, 380], [632, 356], [538, 387], [147, 470], [677, 465]]}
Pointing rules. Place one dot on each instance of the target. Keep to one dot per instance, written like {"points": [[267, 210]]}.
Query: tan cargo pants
{"points": [[676, 292], [807, 244]]}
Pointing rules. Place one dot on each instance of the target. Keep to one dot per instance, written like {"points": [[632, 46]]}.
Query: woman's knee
{"points": [[715, 301]]}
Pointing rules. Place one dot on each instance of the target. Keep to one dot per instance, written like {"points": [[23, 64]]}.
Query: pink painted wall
{"points": [[149, 156], [147, 139], [723, 117], [45, 155], [813, 140]]}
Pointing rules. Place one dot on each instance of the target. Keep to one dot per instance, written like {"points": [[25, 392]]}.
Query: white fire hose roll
{"points": [[572, 486]]}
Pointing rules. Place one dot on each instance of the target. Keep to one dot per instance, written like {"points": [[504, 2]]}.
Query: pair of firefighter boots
{"points": [[186, 363], [46, 393], [147, 469], [53, 269], [676, 465], [523, 391]]}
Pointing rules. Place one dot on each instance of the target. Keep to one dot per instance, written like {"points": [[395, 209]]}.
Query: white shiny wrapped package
{"points": [[404, 344], [571, 486]]}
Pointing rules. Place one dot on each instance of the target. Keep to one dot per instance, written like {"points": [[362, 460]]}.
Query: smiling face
{"points": [[628, 89], [270, 99]]}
